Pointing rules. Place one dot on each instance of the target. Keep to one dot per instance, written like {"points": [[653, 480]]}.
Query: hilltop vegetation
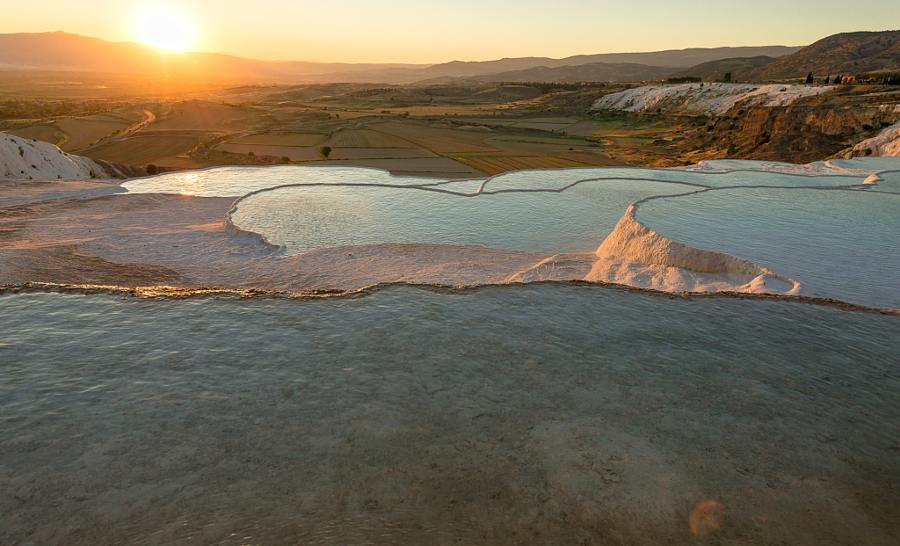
{"points": [[740, 68], [851, 53]]}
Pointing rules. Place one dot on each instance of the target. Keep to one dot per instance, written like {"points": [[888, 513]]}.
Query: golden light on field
{"points": [[165, 27]]}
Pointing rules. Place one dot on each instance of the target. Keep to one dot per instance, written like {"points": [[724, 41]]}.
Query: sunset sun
{"points": [[164, 27]]}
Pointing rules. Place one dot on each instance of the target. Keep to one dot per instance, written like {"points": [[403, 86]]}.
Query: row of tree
{"points": [[881, 78]]}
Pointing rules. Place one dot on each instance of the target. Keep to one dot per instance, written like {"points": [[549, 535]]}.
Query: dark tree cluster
{"points": [[685, 79], [880, 78]]}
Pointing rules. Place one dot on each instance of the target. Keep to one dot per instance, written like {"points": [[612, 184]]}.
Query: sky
{"points": [[431, 31]]}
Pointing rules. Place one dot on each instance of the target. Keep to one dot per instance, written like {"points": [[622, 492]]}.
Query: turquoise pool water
{"points": [[838, 244], [576, 220], [546, 414], [237, 181]]}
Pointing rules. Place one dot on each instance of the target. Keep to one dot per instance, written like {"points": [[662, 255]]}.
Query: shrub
{"points": [[152, 169], [684, 79], [285, 159], [325, 151]]}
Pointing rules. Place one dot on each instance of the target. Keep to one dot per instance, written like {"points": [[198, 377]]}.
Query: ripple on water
{"points": [[543, 414], [238, 181], [576, 220]]}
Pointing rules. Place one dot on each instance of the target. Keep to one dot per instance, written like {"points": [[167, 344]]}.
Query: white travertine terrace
{"points": [[636, 255], [24, 159], [707, 98], [161, 237]]}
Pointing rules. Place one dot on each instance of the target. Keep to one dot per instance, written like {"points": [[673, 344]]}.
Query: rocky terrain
{"points": [[709, 99], [885, 144], [851, 53], [24, 159]]}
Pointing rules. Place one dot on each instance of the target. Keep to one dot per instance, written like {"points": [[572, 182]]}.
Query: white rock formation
{"points": [[885, 144], [707, 98], [635, 255], [24, 159]]}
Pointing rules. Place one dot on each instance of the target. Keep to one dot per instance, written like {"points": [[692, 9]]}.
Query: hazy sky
{"points": [[443, 30]]}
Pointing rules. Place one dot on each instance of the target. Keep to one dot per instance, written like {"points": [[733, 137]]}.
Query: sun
{"points": [[165, 27]]}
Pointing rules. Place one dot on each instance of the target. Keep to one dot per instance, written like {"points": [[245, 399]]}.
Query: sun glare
{"points": [[164, 27]]}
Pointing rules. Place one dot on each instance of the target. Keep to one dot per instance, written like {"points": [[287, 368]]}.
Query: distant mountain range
{"points": [[739, 67], [60, 51], [592, 72], [671, 59], [850, 53]]}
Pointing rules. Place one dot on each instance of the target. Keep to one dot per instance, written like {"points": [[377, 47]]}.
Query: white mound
{"points": [[635, 255], [707, 98], [885, 144], [23, 159]]}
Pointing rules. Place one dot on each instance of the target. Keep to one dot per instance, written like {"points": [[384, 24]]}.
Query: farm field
{"points": [[492, 165], [313, 153], [285, 139], [84, 132], [207, 117], [367, 138], [143, 149], [439, 138], [45, 133], [439, 167], [460, 129]]}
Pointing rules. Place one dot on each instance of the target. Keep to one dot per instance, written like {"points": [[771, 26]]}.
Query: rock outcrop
{"points": [[24, 159], [706, 99], [885, 144]]}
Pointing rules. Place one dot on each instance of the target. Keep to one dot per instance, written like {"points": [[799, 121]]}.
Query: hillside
{"points": [[676, 59], [594, 72], [849, 53], [708, 99], [740, 68]]}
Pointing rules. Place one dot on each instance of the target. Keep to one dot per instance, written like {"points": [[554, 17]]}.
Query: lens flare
{"points": [[165, 27]]}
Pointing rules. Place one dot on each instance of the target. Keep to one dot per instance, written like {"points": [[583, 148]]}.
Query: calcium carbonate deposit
{"points": [[25, 159], [705, 98]]}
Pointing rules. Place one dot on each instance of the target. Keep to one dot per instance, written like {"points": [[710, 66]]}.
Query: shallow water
{"points": [[717, 176], [544, 414], [238, 181], [577, 220], [838, 244]]}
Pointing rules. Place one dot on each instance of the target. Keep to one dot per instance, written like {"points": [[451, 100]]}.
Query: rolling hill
{"points": [[849, 53], [60, 51], [741, 68], [674, 59], [593, 72]]}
